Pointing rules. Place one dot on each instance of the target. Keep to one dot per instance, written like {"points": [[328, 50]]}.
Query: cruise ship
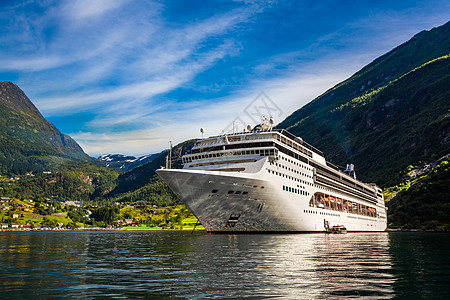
{"points": [[268, 180]]}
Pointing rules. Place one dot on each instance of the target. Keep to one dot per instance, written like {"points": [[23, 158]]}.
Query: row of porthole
{"points": [[295, 190], [287, 176], [298, 180], [288, 160], [327, 214], [320, 212], [297, 164], [295, 179], [237, 192], [231, 192], [292, 170]]}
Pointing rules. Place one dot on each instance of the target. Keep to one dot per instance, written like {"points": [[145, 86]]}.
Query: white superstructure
{"points": [[269, 180]]}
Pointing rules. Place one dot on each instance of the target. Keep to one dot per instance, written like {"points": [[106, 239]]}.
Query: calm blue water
{"points": [[162, 265]]}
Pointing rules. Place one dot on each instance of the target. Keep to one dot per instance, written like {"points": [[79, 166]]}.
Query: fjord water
{"points": [[161, 265]]}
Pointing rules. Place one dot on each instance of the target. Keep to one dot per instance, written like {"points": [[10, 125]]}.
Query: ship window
{"points": [[262, 187], [230, 192], [244, 193], [214, 191], [238, 192]]}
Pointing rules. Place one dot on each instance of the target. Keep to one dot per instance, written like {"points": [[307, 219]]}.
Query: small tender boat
{"points": [[337, 229], [334, 229]]}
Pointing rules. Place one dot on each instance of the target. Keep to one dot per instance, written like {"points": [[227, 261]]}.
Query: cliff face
{"points": [[392, 113], [26, 136]]}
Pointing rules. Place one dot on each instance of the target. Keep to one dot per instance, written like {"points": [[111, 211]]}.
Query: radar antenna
{"points": [[170, 154], [202, 130]]}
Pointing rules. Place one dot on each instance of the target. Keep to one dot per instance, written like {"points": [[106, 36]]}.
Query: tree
{"points": [[105, 214]]}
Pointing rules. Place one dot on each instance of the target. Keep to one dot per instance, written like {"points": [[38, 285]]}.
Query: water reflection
{"points": [[297, 266], [421, 265], [176, 264]]}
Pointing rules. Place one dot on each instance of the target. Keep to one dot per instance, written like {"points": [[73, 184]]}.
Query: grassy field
{"points": [[142, 217]]}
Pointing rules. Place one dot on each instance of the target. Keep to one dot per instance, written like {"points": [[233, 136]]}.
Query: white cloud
{"points": [[183, 122], [83, 9], [137, 141], [98, 59]]}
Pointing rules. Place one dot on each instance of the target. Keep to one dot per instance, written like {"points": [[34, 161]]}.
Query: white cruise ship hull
{"points": [[256, 202]]}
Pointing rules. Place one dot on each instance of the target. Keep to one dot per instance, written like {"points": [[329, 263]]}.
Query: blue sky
{"points": [[126, 77]]}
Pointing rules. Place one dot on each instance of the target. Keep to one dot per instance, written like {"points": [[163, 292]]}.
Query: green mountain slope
{"points": [[142, 183], [422, 199], [29, 145], [393, 113], [27, 139]]}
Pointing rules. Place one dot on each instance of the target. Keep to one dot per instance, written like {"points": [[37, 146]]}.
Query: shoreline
{"points": [[99, 229], [440, 230]]}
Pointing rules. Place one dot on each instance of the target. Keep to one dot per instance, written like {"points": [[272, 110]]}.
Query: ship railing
{"points": [[263, 151], [325, 180], [245, 137]]}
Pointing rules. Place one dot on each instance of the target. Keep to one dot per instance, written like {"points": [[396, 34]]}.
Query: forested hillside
{"points": [[389, 118], [28, 142], [142, 183], [391, 114]]}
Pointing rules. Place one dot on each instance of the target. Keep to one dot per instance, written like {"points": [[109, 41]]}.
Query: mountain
{"points": [[29, 145], [392, 113], [143, 183], [45, 162], [27, 139], [125, 162], [422, 199], [390, 119]]}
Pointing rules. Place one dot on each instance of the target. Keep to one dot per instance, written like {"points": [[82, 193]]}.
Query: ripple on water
{"points": [[178, 264]]}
